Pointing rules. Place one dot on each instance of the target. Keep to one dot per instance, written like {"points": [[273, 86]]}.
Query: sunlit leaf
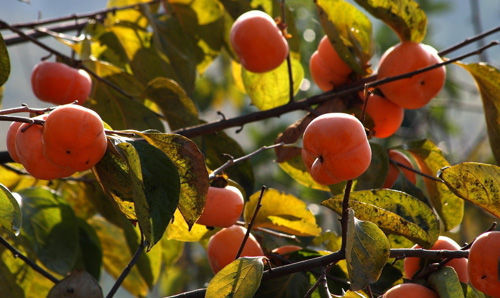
{"points": [[297, 170], [349, 32], [79, 284], [180, 231], [131, 15], [10, 213], [475, 182], [487, 79], [241, 278], [50, 225], [282, 212], [191, 169], [404, 16], [367, 251], [394, 212], [15, 276], [272, 89], [445, 282], [4, 62], [329, 240], [430, 160]]}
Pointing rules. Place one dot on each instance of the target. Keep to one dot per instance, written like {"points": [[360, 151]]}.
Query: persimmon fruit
{"points": [[335, 148], [286, 249], [332, 59], [73, 136], [410, 290], [258, 42], [224, 245], [223, 207], [393, 172], [29, 149], [59, 83], [11, 140], [412, 264], [484, 263], [386, 115], [416, 91]]}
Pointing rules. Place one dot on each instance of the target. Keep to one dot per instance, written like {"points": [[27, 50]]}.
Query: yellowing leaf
{"points": [[179, 230], [404, 16], [394, 212], [239, 279], [10, 213], [475, 182], [367, 251], [297, 170], [487, 79], [349, 31], [272, 89], [282, 212], [4, 62], [430, 160]]}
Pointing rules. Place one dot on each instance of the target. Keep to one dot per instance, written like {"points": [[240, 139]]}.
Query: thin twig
{"points": [[321, 279], [414, 170], [25, 259], [127, 269], [272, 232], [345, 213], [25, 109], [250, 225], [469, 41], [476, 24], [232, 161], [22, 119], [288, 58]]}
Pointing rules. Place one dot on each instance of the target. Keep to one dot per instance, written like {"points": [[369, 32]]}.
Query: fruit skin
{"points": [[11, 140], [224, 245], [286, 249], [417, 91], [412, 264], [73, 136], [59, 83], [387, 116], [223, 207], [393, 173], [335, 148], [29, 149], [410, 290], [327, 68], [258, 42], [484, 263]]}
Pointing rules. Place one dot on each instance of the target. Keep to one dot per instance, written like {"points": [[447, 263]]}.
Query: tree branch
{"points": [[250, 225]]}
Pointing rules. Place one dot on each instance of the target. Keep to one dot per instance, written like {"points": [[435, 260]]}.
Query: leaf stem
{"points": [[252, 221]]}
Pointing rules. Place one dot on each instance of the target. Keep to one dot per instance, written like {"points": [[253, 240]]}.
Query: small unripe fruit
{"points": [[224, 245], [223, 207], [258, 42], [335, 148], [59, 83]]}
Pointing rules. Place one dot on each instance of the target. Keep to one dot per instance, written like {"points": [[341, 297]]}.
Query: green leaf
{"points": [[405, 17], [475, 182], [374, 176], [487, 79], [291, 286], [51, 227], [349, 32], [430, 160], [367, 251], [10, 213], [272, 89], [241, 279], [445, 282], [394, 212], [191, 169], [15, 276], [79, 284], [282, 212], [296, 169], [90, 249], [4, 62], [118, 110], [179, 110]]}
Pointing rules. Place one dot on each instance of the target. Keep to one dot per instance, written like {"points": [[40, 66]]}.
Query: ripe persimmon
{"points": [[484, 263], [73, 136], [223, 207], [412, 264], [418, 90], [29, 149], [393, 172], [258, 42], [387, 116], [224, 245], [332, 59], [59, 83], [410, 290], [11, 140], [335, 148]]}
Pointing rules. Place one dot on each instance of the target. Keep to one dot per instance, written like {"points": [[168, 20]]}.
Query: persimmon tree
{"points": [[133, 211]]}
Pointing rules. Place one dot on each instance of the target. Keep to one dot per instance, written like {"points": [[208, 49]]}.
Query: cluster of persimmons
{"points": [[336, 148]]}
